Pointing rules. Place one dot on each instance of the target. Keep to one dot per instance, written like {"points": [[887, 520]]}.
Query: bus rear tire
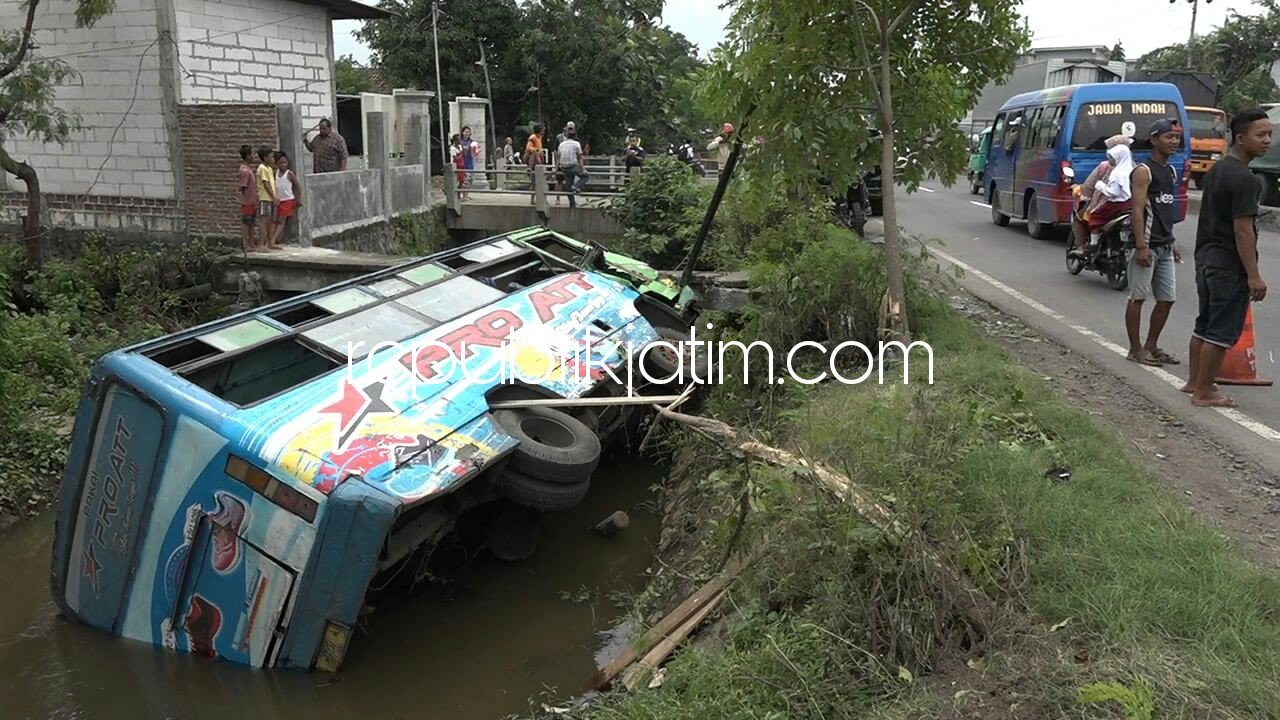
{"points": [[997, 217], [1036, 229]]}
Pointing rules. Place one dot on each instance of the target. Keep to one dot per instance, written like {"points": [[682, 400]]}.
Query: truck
{"points": [[1267, 167], [1208, 140]]}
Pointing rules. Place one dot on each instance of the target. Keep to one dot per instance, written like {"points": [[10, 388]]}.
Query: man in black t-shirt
{"points": [[1154, 184], [1227, 276]]}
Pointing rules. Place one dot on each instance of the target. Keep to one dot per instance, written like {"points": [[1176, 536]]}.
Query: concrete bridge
{"points": [[510, 197]]}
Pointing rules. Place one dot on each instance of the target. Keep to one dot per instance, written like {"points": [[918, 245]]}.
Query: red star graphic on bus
{"points": [[353, 405], [91, 568]]}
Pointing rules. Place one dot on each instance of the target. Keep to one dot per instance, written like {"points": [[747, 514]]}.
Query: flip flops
{"points": [[1143, 358], [1164, 357]]}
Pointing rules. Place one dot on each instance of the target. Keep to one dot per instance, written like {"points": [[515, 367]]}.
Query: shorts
{"points": [[1155, 281], [249, 214], [1224, 301], [285, 208], [266, 209]]}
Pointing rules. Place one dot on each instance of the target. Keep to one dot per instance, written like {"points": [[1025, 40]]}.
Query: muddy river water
{"points": [[478, 649]]}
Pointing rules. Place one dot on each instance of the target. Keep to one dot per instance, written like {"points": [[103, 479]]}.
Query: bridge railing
{"points": [[606, 175]]}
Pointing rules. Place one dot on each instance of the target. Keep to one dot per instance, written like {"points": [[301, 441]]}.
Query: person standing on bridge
{"points": [[532, 158], [1154, 185], [328, 149], [1227, 275], [570, 157]]}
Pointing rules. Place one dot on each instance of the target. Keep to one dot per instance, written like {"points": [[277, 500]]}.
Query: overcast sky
{"points": [[1141, 25]]}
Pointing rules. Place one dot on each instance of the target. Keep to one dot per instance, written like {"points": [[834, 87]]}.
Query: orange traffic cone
{"points": [[1240, 367]]}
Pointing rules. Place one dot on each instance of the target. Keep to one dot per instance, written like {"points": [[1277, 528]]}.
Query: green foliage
{"points": [[72, 312], [420, 234], [350, 77], [815, 91], [661, 209], [605, 64], [1239, 53], [1137, 704]]}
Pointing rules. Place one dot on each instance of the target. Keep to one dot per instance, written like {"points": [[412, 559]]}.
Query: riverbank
{"points": [[1108, 590], [54, 323]]}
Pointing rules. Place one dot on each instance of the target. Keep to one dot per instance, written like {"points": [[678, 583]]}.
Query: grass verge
{"points": [[1163, 617]]}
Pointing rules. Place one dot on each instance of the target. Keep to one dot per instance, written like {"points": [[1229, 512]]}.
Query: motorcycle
{"points": [[1105, 254], [853, 209]]}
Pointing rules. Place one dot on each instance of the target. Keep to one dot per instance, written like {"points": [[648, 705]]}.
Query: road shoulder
{"points": [[1217, 468]]}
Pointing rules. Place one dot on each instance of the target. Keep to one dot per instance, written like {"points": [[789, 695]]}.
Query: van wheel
{"points": [[997, 217], [554, 446], [1035, 228], [540, 494]]}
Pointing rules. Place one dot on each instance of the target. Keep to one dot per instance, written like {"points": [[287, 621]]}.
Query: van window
{"points": [[1097, 121], [1015, 129], [1051, 125], [997, 135], [1033, 129]]}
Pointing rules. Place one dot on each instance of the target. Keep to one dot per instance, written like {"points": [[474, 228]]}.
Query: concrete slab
{"points": [[294, 269]]}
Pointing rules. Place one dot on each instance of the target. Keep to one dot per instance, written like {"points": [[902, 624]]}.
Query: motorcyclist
{"points": [[1115, 192], [1088, 201]]}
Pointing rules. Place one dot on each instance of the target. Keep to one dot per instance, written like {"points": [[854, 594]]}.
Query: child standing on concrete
{"points": [[289, 193], [266, 196], [248, 196]]}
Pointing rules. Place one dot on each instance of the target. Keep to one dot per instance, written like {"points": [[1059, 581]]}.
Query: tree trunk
{"points": [[895, 315], [31, 235]]}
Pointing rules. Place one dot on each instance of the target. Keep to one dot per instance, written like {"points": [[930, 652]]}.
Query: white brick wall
{"points": [[107, 58], [256, 51]]}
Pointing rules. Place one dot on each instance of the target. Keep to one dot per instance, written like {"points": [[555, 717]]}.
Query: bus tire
{"points": [[554, 446], [539, 494], [661, 362], [1036, 229], [997, 217]]}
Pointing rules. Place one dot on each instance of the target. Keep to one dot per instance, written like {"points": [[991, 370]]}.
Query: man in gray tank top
{"points": [[1153, 253]]}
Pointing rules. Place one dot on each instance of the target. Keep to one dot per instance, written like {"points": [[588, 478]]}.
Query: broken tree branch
{"points": [[975, 605], [639, 672]]}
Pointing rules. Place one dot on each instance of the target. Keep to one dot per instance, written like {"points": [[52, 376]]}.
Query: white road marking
{"points": [[980, 204], [927, 189], [1262, 430]]}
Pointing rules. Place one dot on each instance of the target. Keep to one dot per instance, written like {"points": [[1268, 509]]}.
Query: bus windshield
{"points": [[1098, 121], [1207, 124]]}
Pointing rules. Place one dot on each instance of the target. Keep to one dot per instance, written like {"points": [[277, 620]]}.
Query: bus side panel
{"points": [[102, 505]]}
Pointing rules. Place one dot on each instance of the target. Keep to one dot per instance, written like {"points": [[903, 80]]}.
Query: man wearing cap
{"points": [[1151, 260], [569, 129], [720, 145]]}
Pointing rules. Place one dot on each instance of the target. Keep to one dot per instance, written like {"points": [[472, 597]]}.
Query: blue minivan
{"points": [[1044, 141]]}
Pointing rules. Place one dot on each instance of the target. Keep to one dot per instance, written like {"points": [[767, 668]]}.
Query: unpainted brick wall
{"points": [[211, 140]]}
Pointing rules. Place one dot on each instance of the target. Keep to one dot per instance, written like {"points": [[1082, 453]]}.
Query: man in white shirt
{"points": [[569, 155]]}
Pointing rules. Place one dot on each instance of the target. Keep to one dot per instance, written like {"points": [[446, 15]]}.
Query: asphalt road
{"points": [[1029, 278]]}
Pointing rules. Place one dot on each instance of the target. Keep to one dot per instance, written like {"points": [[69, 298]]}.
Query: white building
{"points": [[151, 77]]}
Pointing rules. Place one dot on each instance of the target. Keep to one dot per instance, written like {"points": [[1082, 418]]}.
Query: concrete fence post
{"points": [[376, 153], [451, 200], [289, 129], [500, 177], [419, 139], [540, 190]]}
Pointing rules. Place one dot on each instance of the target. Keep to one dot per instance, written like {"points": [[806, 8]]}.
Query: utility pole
{"points": [[493, 120], [444, 139], [1191, 37]]}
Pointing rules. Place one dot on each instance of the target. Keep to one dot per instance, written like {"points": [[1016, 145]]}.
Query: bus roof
{"points": [[1094, 92]]}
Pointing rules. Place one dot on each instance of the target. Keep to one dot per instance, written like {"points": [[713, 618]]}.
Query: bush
{"points": [[660, 209], [55, 323]]}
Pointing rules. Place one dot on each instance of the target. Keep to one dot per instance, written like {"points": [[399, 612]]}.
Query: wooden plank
{"points": [[583, 402], [639, 672], [672, 622]]}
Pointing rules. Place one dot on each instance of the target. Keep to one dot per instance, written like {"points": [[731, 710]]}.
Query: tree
{"points": [[601, 63], [350, 77], [27, 105], [1117, 52], [1239, 54], [821, 76]]}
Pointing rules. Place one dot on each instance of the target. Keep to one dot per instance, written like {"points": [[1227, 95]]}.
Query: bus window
{"points": [[261, 371], [1033, 129], [1052, 121], [1015, 129], [997, 135], [1095, 122]]}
